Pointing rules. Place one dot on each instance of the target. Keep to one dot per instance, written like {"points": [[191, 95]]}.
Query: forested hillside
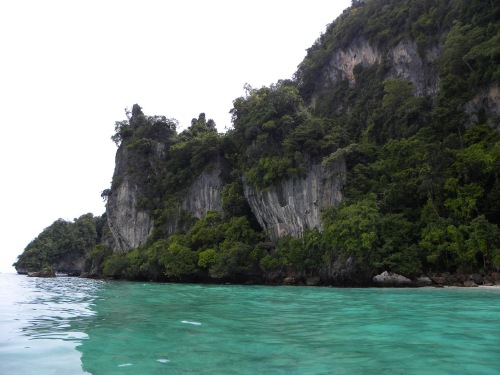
{"points": [[398, 103], [64, 246]]}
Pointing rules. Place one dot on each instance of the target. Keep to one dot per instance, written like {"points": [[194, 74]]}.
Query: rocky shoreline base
{"points": [[445, 279], [393, 280], [385, 279]]}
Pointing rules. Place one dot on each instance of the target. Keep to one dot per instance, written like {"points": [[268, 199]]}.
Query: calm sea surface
{"points": [[79, 326]]}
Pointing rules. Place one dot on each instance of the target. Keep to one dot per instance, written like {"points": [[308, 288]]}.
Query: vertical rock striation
{"points": [[130, 227], [294, 205], [203, 195]]}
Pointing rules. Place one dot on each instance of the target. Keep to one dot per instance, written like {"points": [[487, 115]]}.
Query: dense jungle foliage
{"points": [[423, 184], [62, 244]]}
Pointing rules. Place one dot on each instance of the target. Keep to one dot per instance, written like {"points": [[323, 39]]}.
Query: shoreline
{"points": [[434, 286]]}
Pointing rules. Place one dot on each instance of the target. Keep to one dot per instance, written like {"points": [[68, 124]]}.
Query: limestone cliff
{"points": [[404, 60], [130, 227], [294, 205], [203, 195]]}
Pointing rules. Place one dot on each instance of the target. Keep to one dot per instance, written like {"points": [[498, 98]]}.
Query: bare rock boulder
{"points": [[388, 279], [422, 281], [477, 278], [469, 283]]}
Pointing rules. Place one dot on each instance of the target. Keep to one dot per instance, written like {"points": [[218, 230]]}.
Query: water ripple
{"points": [[73, 326]]}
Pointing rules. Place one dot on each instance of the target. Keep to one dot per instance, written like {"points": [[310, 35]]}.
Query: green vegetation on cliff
{"points": [[63, 245], [423, 165]]}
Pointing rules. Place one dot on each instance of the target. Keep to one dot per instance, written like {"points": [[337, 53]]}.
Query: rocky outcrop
{"points": [[477, 278], [294, 205], [404, 61], [487, 102], [48, 272], [343, 61], [129, 224], [422, 281], [71, 265], [203, 195], [407, 64], [130, 227], [389, 279]]}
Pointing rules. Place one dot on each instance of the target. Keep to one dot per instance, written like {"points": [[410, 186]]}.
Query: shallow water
{"points": [[75, 326]]}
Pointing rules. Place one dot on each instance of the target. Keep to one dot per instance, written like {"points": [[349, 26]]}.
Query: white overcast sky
{"points": [[69, 68]]}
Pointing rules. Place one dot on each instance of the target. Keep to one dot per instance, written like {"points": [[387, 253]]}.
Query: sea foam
{"points": [[193, 323]]}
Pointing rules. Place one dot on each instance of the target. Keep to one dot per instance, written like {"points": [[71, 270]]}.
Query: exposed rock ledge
{"points": [[391, 279]]}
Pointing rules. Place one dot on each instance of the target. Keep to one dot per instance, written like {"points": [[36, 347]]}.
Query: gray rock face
{"points": [[391, 279], [343, 61], [488, 100], [294, 205], [406, 64], [204, 194], [129, 226], [423, 281]]}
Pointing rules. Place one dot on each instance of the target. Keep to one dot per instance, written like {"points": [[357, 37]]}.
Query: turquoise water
{"points": [[75, 326]]}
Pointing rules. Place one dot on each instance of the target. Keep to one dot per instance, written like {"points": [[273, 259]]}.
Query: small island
{"points": [[377, 164]]}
